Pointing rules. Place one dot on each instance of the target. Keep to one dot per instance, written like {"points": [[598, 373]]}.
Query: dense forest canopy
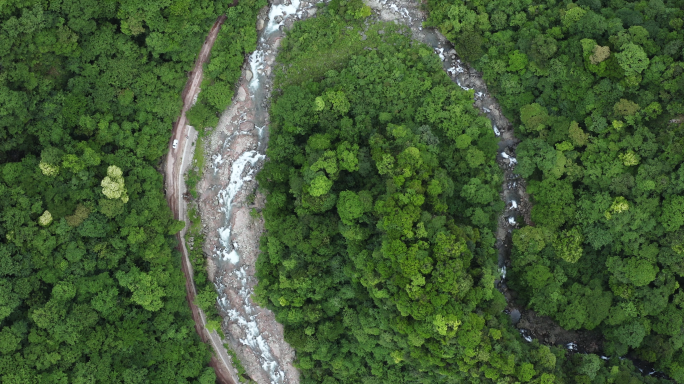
{"points": [[382, 199], [381, 183], [596, 91], [91, 289]]}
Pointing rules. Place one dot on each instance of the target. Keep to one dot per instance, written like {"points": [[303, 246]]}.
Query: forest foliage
{"points": [[91, 288], [596, 92], [382, 199]]}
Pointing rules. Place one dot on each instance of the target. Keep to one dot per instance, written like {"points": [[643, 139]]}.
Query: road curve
{"points": [[175, 187]]}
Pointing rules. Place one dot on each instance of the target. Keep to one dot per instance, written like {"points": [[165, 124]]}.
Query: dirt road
{"points": [[176, 162]]}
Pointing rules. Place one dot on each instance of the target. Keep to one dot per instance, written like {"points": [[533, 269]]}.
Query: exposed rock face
{"points": [[241, 93]]}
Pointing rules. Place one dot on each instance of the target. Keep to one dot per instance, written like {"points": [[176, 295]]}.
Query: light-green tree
{"points": [[113, 184]]}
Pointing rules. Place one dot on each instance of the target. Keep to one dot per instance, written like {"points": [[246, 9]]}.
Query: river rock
{"points": [[246, 126], [515, 316], [248, 75], [241, 94], [311, 11], [260, 24]]}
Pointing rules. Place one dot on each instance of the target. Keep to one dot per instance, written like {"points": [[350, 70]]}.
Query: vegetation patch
{"points": [[382, 196], [196, 169], [242, 372], [207, 296]]}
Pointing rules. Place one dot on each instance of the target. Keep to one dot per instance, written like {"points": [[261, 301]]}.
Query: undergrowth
{"points": [[206, 292], [242, 372], [194, 174]]}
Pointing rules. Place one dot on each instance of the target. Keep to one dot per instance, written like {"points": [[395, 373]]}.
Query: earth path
{"points": [[175, 166]]}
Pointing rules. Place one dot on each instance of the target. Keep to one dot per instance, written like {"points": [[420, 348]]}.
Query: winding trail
{"points": [[176, 164]]}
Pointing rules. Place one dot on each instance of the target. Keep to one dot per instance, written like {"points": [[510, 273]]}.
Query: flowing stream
{"points": [[514, 192]]}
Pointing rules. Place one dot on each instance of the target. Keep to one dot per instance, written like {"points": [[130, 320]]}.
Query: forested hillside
{"points": [[596, 91], [91, 288], [382, 196]]}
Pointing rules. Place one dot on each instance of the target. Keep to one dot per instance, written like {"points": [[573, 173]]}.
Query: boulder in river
{"points": [[515, 316]]}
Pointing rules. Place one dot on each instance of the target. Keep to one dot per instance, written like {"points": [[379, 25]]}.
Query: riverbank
{"points": [[229, 203]]}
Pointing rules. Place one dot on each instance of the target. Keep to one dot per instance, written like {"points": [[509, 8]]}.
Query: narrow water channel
{"points": [[513, 193]]}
